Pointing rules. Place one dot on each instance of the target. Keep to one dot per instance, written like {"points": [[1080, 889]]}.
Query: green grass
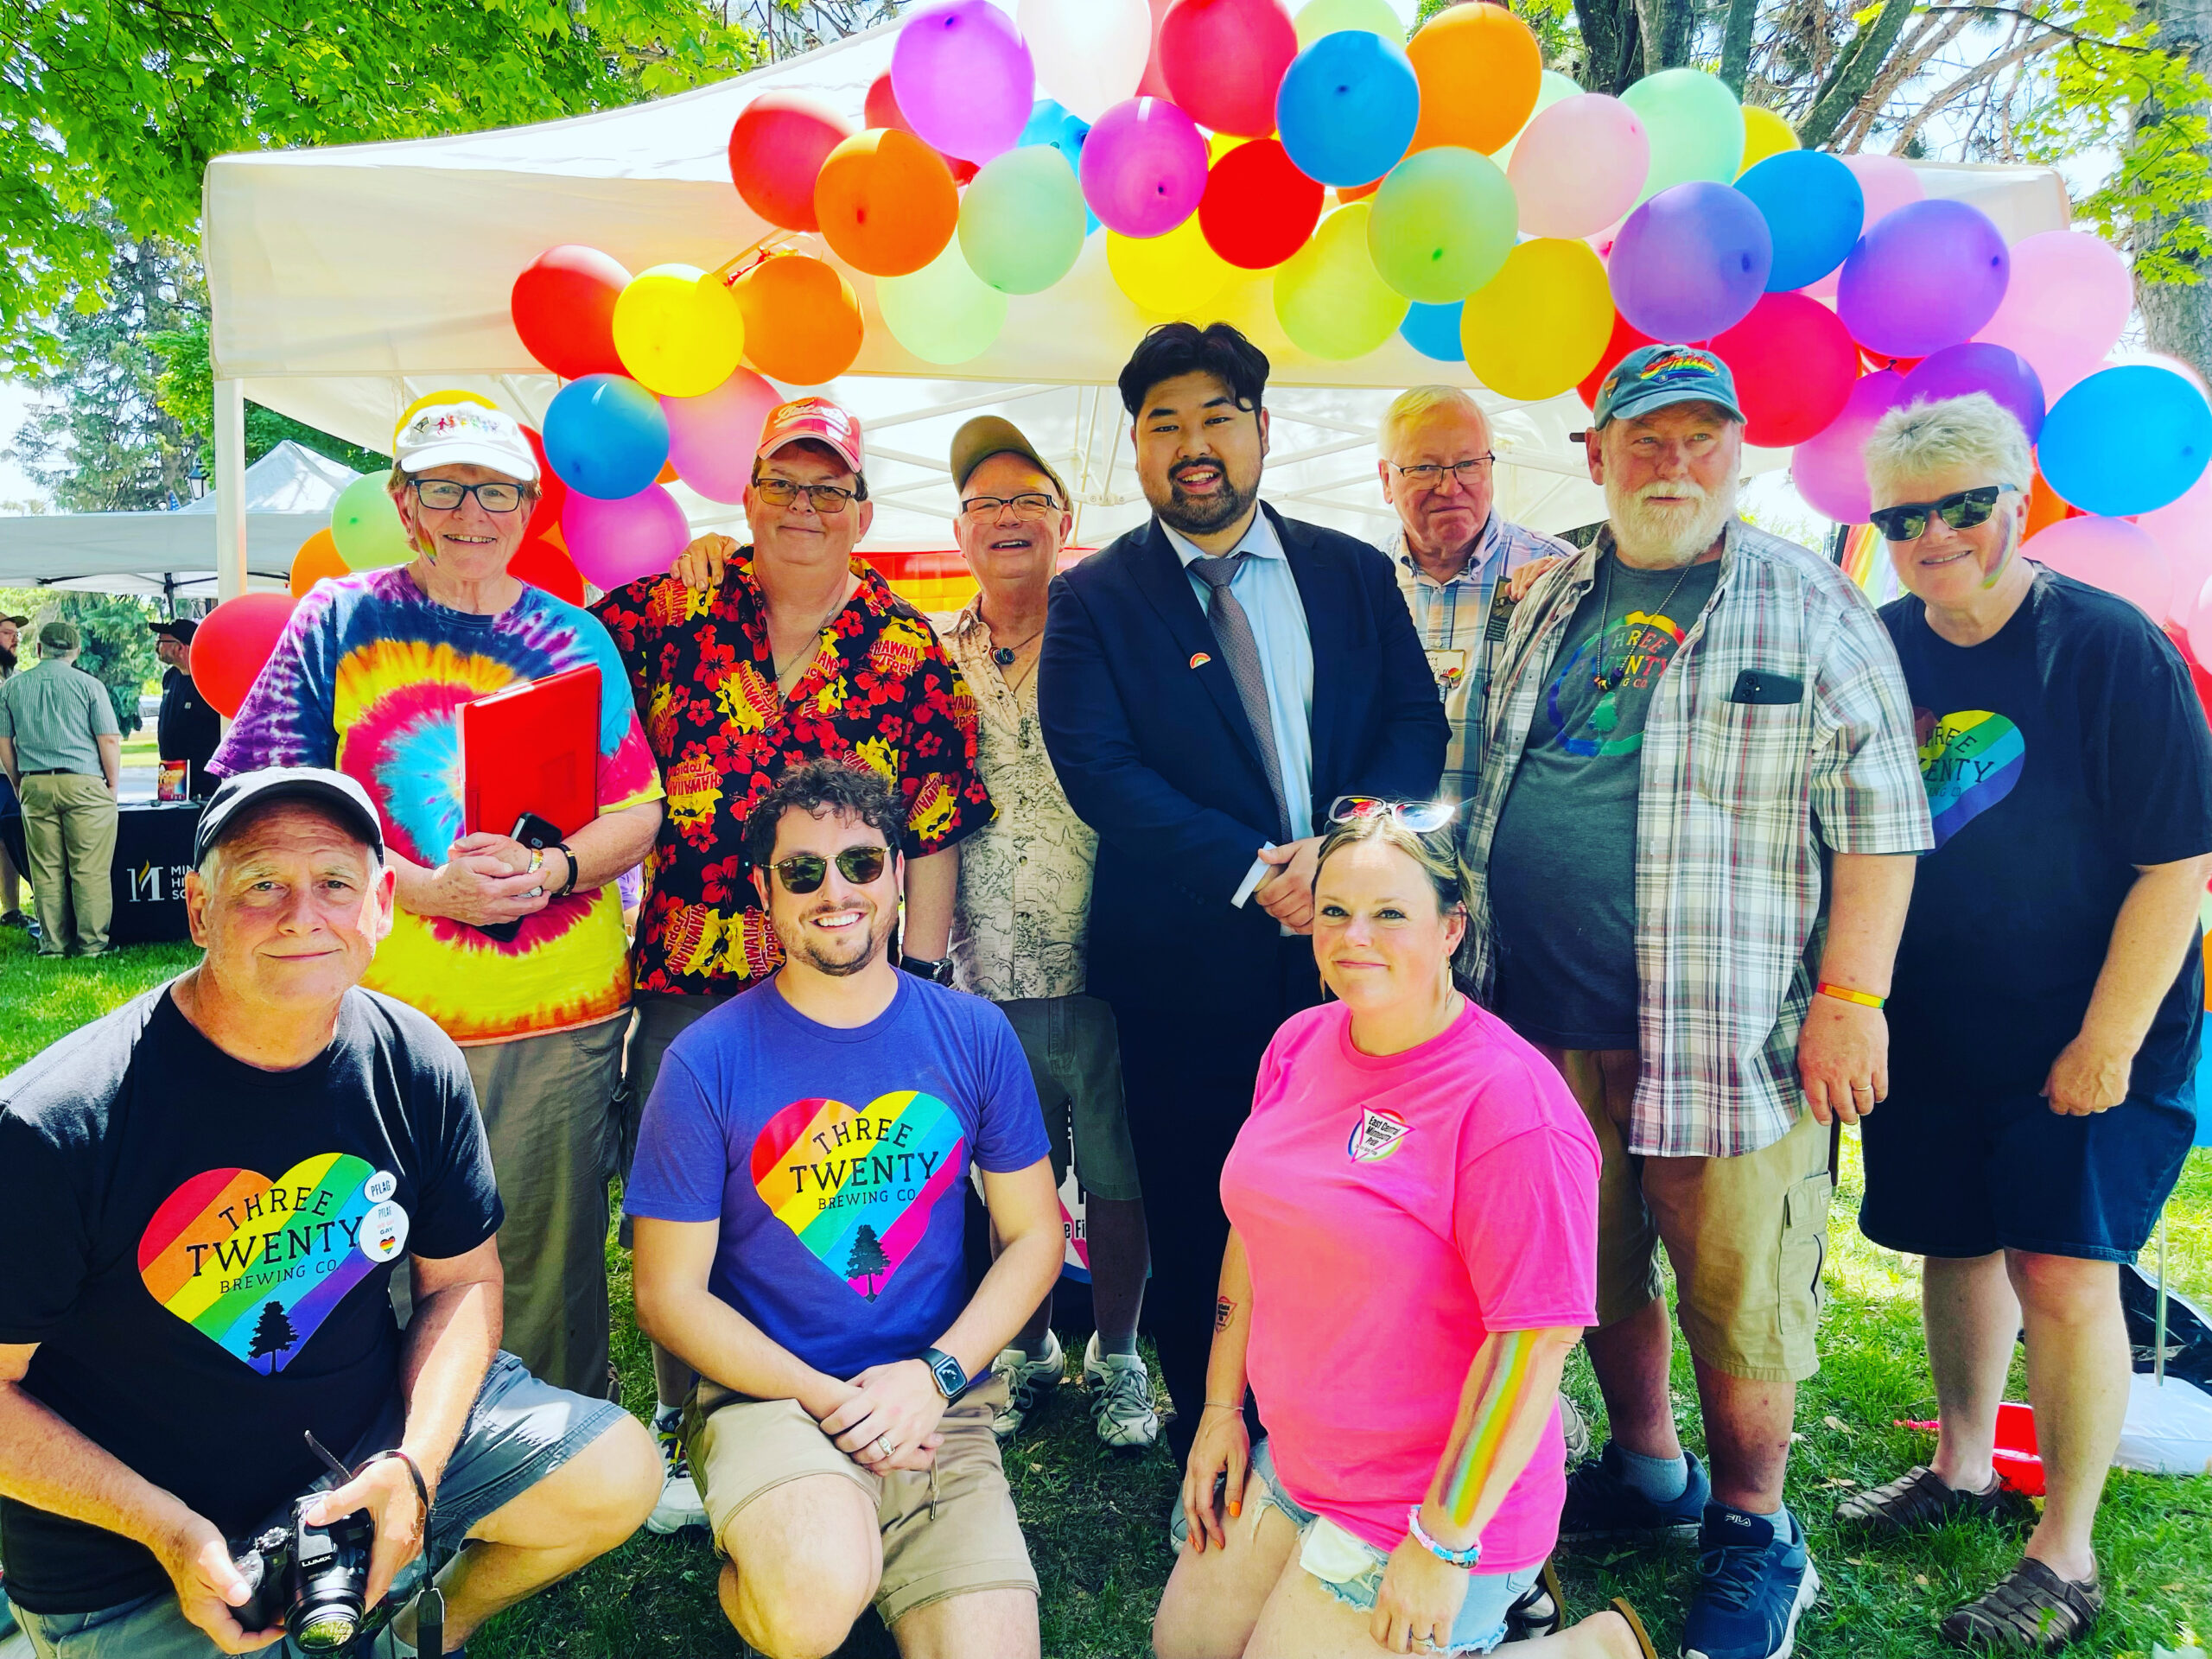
{"points": [[1095, 1518]]}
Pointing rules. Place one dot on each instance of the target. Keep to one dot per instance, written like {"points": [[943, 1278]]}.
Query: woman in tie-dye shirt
{"points": [[369, 677]]}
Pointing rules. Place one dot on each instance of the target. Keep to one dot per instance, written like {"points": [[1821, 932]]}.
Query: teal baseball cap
{"points": [[1652, 377]]}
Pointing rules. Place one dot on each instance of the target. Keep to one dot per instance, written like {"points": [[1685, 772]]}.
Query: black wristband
{"points": [[568, 886], [414, 1473]]}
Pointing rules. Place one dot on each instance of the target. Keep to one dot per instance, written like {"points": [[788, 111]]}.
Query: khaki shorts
{"points": [[1747, 1236], [1074, 1050], [947, 1530]]}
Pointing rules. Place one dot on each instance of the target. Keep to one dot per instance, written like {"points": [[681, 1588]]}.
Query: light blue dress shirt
{"points": [[1265, 588]]}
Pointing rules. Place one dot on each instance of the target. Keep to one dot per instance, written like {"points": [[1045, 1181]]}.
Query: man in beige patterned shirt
{"points": [[1024, 907]]}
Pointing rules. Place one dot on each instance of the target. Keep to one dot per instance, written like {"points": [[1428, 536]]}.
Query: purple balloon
{"points": [[1691, 262], [1830, 470], [1924, 278], [1144, 167], [616, 541], [964, 79], [2004, 375]]}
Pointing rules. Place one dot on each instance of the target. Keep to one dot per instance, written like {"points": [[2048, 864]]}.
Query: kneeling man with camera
{"points": [[798, 1191], [212, 1432]]}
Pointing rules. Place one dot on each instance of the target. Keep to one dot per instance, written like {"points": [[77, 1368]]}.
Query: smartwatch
{"points": [[938, 973], [951, 1377]]}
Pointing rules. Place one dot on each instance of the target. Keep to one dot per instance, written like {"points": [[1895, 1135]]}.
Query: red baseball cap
{"points": [[817, 418]]}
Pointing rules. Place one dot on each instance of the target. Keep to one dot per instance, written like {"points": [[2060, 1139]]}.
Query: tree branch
{"points": [[1853, 73]]}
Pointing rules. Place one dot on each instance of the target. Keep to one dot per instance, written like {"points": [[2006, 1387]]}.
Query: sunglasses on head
{"points": [[1420, 816], [804, 873], [1963, 510]]}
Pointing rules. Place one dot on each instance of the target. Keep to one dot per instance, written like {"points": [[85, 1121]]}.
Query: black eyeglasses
{"points": [[827, 500], [1420, 816], [1026, 505], [804, 873], [1429, 475], [1963, 510], [446, 495]]}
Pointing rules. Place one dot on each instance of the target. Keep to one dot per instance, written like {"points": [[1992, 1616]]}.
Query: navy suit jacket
{"points": [[1151, 743]]}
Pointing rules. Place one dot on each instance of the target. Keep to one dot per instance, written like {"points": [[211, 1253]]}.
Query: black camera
{"points": [[314, 1581]]}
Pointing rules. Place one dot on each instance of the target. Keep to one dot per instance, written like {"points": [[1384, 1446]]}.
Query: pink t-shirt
{"points": [[1394, 1212]]}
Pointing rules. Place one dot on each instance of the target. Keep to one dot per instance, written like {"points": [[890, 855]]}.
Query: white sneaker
{"points": [[1027, 1381], [1121, 1396], [679, 1506]]}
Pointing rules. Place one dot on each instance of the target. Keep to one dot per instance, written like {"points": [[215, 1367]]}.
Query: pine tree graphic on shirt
{"points": [[868, 1258], [273, 1336]]}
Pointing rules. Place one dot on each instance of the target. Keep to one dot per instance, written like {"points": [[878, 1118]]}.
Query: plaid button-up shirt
{"points": [[1781, 730], [1452, 619]]}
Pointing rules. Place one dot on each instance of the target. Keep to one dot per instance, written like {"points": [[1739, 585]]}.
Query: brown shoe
{"points": [[2029, 1609], [1918, 1499], [1636, 1627]]}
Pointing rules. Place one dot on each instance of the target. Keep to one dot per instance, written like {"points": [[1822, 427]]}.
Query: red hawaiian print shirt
{"points": [[699, 664]]}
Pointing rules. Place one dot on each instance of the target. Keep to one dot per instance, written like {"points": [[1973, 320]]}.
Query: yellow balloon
{"points": [[1218, 144], [1329, 297], [1765, 134], [1541, 323], [678, 330], [1177, 274]]}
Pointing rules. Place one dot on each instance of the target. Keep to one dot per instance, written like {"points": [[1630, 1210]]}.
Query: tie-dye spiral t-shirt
{"points": [[369, 677]]}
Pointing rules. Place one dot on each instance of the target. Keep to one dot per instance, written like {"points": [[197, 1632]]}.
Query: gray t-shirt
{"points": [[55, 711], [1562, 864]]}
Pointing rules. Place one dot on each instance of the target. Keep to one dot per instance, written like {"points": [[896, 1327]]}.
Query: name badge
{"points": [[1450, 666]]}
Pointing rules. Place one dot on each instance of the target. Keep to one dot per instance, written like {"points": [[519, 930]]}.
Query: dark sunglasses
{"points": [[1420, 816], [804, 873], [1961, 511]]}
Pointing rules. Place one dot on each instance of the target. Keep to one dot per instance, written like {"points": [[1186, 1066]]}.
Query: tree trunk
{"points": [[1853, 74], [2176, 315], [1667, 26], [1736, 43], [1611, 45]]}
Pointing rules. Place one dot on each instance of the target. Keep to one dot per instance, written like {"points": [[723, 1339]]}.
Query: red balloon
{"points": [[1624, 340], [552, 492], [1225, 59], [1258, 208], [777, 148], [234, 641], [1876, 362], [882, 110], [541, 564], [1795, 364], [564, 309]]}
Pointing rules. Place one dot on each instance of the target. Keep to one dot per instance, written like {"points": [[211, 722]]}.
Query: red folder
{"points": [[532, 747]]}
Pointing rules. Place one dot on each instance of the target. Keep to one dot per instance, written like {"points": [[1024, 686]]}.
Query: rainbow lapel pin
{"points": [[1200, 659]]}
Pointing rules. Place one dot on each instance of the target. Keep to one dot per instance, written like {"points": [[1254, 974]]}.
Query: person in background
{"points": [[1454, 552], [1209, 683], [1018, 931], [11, 891], [1412, 1257], [62, 753], [188, 728], [1699, 803], [2024, 1151], [744, 661], [369, 676], [800, 1193]]}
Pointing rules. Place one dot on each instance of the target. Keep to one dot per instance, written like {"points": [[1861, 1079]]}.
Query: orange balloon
{"points": [[667, 472], [887, 202], [317, 558], [1357, 192], [1479, 68], [802, 319], [2045, 506]]}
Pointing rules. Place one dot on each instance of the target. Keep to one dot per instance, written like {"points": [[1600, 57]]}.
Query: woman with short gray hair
{"points": [[2044, 1014]]}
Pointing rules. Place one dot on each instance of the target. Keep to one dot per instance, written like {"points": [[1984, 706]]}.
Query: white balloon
{"points": [[1089, 55]]}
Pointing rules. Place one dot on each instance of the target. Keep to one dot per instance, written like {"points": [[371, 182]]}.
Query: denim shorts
{"points": [[1350, 1568], [520, 1431]]}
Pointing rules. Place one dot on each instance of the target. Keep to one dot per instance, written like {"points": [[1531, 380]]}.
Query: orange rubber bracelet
{"points": [[1845, 994]]}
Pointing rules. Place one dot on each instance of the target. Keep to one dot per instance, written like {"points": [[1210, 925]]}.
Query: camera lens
{"points": [[327, 1629]]}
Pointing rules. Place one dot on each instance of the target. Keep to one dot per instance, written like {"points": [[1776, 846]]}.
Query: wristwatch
{"points": [[938, 973], [951, 1377]]}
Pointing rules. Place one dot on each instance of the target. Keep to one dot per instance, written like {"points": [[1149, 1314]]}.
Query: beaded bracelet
{"points": [[1445, 1552]]}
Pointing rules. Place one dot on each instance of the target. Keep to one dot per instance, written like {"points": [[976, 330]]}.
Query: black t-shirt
{"points": [[203, 1253], [2059, 753], [187, 728]]}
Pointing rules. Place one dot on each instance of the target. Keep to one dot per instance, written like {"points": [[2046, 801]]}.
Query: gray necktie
{"points": [[1232, 632]]}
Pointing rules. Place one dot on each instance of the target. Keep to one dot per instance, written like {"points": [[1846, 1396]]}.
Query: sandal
{"points": [[1541, 1611], [1636, 1627], [1919, 1499], [2029, 1609]]}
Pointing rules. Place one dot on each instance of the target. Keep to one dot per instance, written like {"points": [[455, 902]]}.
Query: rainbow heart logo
{"points": [[1969, 761], [256, 1265], [858, 1187]]}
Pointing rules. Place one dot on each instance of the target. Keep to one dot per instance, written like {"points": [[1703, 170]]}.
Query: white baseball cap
{"points": [[460, 429]]}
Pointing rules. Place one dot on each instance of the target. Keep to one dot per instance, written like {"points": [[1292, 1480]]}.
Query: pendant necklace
{"points": [[1004, 655], [1605, 715]]}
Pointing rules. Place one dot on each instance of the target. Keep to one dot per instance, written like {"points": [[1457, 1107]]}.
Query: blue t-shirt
{"points": [[834, 1159]]}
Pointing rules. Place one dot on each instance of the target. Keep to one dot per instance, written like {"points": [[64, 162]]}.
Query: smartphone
{"points": [[538, 835]]}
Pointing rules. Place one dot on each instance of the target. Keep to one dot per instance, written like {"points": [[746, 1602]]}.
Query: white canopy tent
{"points": [[346, 281]]}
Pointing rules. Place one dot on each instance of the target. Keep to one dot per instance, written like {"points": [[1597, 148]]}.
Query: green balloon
{"points": [[365, 525], [1328, 297], [1319, 17], [943, 313], [1022, 220], [1443, 223], [1695, 126]]}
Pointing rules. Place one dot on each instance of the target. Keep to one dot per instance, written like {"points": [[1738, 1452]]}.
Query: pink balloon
{"points": [[616, 541], [2065, 308], [2111, 554], [1830, 470], [1144, 167], [964, 79], [712, 437], [2183, 529], [1888, 183], [1577, 167]]}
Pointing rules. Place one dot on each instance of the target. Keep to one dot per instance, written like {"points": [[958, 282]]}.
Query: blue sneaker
{"points": [[1752, 1587], [1602, 1505]]}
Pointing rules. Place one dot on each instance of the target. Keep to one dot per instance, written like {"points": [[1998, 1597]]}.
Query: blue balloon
{"points": [[1813, 208], [1434, 331], [605, 436], [2125, 440], [1347, 107], [1052, 123]]}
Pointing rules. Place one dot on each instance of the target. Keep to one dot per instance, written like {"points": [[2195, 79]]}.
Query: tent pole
{"points": [[230, 489]]}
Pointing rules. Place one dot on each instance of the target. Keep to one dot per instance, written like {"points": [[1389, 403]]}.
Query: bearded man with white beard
{"points": [[1693, 841]]}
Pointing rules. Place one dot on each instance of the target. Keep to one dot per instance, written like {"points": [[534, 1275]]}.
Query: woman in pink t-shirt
{"points": [[1413, 1203]]}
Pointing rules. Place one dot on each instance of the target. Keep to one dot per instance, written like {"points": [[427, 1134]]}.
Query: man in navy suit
{"points": [[1211, 684]]}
